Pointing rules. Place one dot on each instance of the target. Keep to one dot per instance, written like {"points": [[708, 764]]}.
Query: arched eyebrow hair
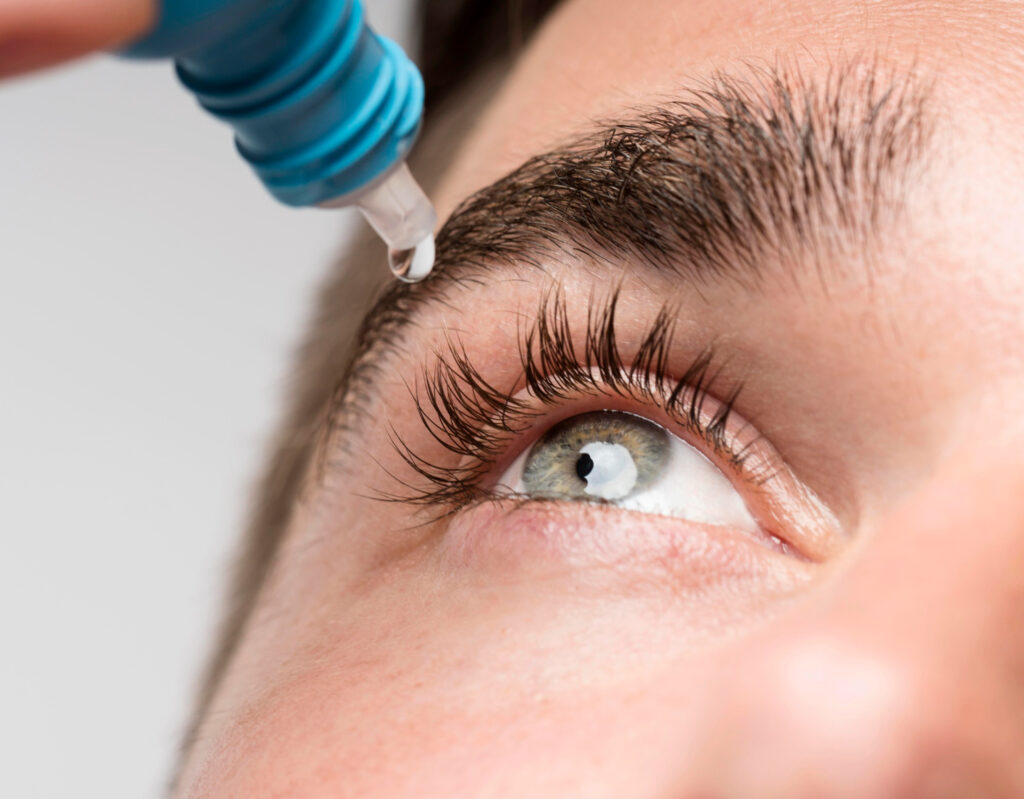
{"points": [[741, 175]]}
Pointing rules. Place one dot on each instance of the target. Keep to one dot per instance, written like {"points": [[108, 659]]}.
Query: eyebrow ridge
{"points": [[739, 173]]}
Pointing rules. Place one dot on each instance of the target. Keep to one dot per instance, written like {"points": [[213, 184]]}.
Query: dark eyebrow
{"points": [[738, 176]]}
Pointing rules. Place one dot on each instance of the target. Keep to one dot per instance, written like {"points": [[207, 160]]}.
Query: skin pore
{"points": [[869, 645]]}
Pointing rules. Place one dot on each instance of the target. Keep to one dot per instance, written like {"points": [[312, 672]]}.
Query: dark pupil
{"points": [[584, 465]]}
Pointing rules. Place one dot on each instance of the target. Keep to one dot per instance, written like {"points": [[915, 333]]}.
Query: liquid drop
{"points": [[413, 264]]}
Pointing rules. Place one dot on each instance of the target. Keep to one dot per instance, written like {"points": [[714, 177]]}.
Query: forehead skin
{"points": [[958, 300], [596, 57]]}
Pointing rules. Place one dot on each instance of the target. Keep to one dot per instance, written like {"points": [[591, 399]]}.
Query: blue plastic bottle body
{"points": [[321, 106]]}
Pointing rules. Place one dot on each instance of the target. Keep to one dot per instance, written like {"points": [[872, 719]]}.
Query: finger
{"points": [[39, 33]]}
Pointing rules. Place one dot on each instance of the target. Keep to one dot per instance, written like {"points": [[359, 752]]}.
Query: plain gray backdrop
{"points": [[151, 295]]}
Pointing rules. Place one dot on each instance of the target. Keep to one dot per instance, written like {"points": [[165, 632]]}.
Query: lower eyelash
{"points": [[476, 422]]}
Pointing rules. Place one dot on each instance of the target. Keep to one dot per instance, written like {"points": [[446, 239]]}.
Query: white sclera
{"points": [[692, 487]]}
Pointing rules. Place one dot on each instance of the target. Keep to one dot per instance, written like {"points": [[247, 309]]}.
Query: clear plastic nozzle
{"points": [[402, 215]]}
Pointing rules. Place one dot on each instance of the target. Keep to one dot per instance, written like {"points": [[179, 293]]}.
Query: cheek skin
{"points": [[393, 732], [520, 641], [608, 552], [519, 638]]}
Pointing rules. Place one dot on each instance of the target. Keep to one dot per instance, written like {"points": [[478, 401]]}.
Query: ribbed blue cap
{"points": [[321, 105]]}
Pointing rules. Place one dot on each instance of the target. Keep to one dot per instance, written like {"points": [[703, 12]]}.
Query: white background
{"points": [[150, 295]]}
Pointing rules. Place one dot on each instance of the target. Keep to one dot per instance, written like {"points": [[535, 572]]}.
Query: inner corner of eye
{"points": [[626, 460]]}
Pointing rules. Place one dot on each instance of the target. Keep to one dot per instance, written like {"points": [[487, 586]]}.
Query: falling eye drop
{"points": [[323, 109]]}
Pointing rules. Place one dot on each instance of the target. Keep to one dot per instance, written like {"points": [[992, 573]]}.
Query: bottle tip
{"points": [[415, 263]]}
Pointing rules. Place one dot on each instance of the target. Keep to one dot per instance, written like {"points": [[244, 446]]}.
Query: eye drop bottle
{"points": [[323, 109]]}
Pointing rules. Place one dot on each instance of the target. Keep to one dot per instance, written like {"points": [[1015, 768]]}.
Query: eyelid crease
{"points": [[476, 422]]}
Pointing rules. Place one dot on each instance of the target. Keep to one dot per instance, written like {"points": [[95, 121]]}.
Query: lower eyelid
{"points": [[509, 540]]}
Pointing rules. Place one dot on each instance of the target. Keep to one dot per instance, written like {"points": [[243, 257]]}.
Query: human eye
{"points": [[624, 459], [585, 423]]}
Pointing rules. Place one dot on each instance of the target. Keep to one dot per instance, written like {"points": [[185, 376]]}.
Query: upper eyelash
{"points": [[475, 421]]}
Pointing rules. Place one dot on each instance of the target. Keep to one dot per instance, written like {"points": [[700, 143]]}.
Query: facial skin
{"points": [[559, 648]]}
